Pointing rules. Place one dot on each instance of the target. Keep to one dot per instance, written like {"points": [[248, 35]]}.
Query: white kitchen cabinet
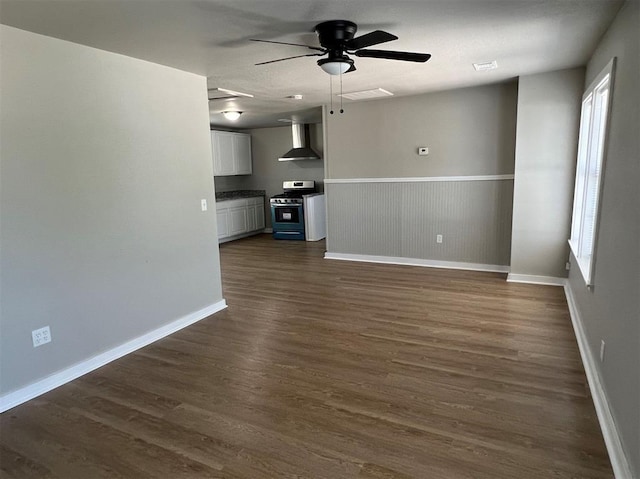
{"points": [[242, 153], [251, 217], [258, 204], [255, 214], [260, 216], [231, 153], [239, 218], [222, 216]]}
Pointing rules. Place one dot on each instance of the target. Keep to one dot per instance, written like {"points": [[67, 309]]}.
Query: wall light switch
{"points": [[203, 205], [423, 151]]}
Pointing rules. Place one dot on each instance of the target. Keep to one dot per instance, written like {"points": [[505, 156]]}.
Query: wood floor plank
{"points": [[327, 370]]}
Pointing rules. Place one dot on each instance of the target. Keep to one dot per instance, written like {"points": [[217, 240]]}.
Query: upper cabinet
{"points": [[231, 153], [242, 153]]}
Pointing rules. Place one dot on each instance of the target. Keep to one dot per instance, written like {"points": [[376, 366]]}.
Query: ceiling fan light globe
{"points": [[335, 66], [232, 115]]}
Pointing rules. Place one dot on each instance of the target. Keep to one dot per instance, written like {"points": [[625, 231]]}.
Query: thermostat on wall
{"points": [[423, 150]]}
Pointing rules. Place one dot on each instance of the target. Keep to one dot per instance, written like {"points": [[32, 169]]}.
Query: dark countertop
{"points": [[236, 194]]}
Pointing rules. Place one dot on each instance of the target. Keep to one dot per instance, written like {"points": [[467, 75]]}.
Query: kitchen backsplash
{"points": [[232, 183]]}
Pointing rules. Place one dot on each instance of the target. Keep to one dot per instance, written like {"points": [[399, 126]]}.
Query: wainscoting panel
{"points": [[402, 218], [364, 219]]}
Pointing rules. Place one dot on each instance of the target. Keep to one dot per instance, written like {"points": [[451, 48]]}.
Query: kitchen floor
{"points": [[331, 369]]}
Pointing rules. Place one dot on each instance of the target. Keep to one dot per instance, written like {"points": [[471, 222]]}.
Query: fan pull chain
{"points": [[331, 94], [341, 110]]}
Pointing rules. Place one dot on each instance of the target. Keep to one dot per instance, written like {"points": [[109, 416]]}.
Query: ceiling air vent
{"points": [[366, 94], [481, 67]]}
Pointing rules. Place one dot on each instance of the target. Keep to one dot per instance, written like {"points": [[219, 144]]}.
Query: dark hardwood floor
{"points": [[331, 369]]}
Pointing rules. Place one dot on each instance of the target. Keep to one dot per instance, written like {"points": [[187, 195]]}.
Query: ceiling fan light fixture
{"points": [[232, 115], [335, 66]]}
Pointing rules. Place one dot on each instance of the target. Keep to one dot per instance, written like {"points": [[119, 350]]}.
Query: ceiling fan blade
{"points": [[369, 39], [391, 55], [286, 43], [289, 58]]}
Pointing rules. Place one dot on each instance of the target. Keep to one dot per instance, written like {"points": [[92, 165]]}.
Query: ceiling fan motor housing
{"points": [[335, 33]]}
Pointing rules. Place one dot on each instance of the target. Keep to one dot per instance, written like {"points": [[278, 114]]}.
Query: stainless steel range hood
{"points": [[301, 149]]}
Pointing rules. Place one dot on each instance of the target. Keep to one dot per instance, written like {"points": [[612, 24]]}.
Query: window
{"points": [[589, 170]]}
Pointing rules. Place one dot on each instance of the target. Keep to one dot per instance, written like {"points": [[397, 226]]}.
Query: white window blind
{"points": [[589, 170]]}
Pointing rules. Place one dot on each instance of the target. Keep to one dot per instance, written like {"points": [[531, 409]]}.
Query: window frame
{"points": [[585, 218]]}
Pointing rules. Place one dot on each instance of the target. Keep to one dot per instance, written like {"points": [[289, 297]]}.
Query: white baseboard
{"points": [[430, 263], [619, 462], [226, 239], [534, 279], [24, 394], [268, 230]]}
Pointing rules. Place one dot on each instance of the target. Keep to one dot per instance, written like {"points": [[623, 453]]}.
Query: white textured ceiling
{"points": [[211, 37]]}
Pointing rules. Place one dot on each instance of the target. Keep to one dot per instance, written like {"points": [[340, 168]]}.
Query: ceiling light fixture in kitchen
{"points": [[232, 115]]}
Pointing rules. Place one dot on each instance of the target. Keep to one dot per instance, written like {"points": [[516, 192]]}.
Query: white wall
{"points": [[546, 148], [610, 311], [104, 160]]}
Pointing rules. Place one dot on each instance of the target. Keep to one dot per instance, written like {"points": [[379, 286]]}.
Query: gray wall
{"points": [[267, 145], [611, 310], [470, 132], [104, 161], [546, 149]]}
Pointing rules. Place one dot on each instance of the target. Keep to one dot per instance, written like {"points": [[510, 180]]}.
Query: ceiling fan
{"points": [[337, 41]]}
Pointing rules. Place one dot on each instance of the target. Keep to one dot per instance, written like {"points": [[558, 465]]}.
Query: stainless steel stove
{"points": [[287, 212], [293, 192]]}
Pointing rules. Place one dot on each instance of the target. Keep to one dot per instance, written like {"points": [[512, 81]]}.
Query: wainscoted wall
{"points": [[383, 199], [401, 217]]}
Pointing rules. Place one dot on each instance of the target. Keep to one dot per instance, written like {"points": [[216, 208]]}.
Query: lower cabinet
{"points": [[255, 216], [239, 218], [222, 216]]}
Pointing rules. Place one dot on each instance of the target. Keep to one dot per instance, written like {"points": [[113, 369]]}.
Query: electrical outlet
{"points": [[567, 266], [203, 204], [41, 336], [602, 350], [438, 238]]}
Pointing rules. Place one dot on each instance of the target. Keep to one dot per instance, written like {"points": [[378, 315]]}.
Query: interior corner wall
{"points": [[104, 161], [546, 149], [610, 310]]}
